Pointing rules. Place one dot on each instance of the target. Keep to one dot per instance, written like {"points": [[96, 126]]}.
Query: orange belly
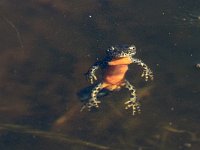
{"points": [[115, 74]]}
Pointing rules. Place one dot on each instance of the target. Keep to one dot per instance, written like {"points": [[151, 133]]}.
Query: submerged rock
{"points": [[198, 65]]}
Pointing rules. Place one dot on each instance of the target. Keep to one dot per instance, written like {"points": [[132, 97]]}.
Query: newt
{"points": [[115, 66]]}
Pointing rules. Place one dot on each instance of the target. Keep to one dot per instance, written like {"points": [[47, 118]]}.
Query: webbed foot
{"points": [[91, 104], [134, 105], [147, 74]]}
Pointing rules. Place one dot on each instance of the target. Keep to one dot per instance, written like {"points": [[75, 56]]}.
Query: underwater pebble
{"points": [[198, 65], [140, 148], [188, 145]]}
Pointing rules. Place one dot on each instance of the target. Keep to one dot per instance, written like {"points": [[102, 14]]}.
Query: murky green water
{"points": [[47, 45]]}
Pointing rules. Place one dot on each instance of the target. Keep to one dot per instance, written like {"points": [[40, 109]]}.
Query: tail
{"points": [[85, 94]]}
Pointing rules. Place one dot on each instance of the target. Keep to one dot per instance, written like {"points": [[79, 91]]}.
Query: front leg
{"points": [[91, 72], [147, 73], [93, 102], [132, 102], [90, 75]]}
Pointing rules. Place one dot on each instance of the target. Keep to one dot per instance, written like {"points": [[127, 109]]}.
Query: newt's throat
{"points": [[121, 61]]}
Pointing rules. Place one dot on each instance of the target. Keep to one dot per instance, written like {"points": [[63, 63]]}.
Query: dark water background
{"points": [[47, 45]]}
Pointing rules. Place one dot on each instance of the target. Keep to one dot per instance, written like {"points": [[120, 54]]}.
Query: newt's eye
{"points": [[132, 47]]}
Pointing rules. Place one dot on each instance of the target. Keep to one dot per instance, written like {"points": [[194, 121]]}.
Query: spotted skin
{"points": [[115, 66], [147, 73], [132, 102], [93, 102]]}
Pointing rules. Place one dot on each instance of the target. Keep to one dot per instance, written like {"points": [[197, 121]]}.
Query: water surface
{"points": [[47, 46]]}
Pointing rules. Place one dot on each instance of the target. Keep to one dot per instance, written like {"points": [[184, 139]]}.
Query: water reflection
{"points": [[47, 45]]}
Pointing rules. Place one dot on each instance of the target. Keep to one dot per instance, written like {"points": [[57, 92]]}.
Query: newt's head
{"points": [[121, 51]]}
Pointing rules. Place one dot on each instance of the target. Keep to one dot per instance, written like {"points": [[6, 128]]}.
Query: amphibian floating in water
{"points": [[115, 66]]}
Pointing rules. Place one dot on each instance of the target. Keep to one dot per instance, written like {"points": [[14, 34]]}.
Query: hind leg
{"points": [[93, 102], [132, 102]]}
